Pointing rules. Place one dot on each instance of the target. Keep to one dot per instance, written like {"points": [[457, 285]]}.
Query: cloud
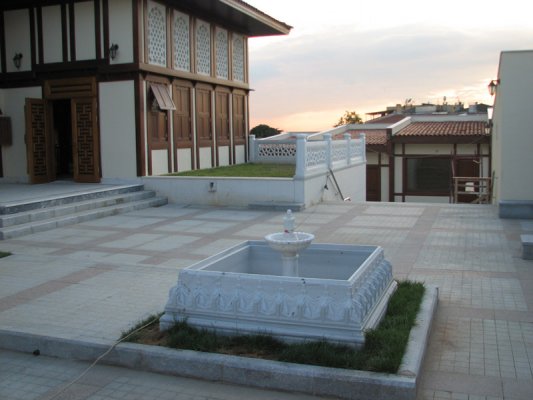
{"points": [[354, 69]]}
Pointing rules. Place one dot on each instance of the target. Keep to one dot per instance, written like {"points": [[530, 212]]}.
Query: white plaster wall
{"points": [[223, 156], [121, 29], [237, 192], [513, 126], [398, 174], [117, 130], [84, 30], [205, 157], [466, 149], [14, 156], [437, 149], [184, 160], [384, 183], [352, 183], [52, 38], [17, 36], [426, 199], [240, 154], [159, 162]]}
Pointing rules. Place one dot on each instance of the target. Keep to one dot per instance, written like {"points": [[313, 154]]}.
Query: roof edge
{"points": [[245, 8]]}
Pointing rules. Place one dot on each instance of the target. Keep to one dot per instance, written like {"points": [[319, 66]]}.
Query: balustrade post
{"points": [[251, 148], [348, 139], [363, 146], [327, 138], [301, 141]]}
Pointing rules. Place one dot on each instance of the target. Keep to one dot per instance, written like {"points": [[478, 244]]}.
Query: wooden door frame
{"points": [[68, 89]]}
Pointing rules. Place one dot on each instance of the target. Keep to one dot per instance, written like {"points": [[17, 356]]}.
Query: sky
{"points": [[365, 55]]}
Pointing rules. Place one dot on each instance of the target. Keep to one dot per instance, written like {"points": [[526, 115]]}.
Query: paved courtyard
{"points": [[94, 280]]}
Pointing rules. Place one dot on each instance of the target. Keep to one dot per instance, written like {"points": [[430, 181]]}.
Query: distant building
{"points": [[414, 158], [512, 135], [119, 89], [408, 108]]}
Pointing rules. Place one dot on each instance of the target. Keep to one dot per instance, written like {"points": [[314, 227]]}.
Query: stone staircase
{"points": [[23, 218]]}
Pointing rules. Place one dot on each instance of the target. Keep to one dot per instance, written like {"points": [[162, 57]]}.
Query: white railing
{"points": [[309, 155], [272, 151]]}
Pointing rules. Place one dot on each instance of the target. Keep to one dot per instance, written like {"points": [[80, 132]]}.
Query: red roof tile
{"points": [[452, 128], [376, 136]]}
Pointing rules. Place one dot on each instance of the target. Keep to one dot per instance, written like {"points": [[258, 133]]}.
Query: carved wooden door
{"points": [[222, 126], [38, 142], [85, 142], [239, 127]]}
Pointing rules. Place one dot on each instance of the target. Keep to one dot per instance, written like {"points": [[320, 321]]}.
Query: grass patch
{"points": [[244, 170], [4, 254], [383, 350]]}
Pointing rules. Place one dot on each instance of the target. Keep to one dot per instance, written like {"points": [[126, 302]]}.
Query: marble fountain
{"points": [[287, 287]]}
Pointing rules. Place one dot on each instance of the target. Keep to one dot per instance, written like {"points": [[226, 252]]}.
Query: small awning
{"points": [[162, 96]]}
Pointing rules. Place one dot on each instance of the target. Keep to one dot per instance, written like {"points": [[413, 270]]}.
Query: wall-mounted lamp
{"points": [[488, 127], [113, 50], [492, 86], [17, 60]]}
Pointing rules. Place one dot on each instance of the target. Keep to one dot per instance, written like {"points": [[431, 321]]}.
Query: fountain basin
{"points": [[289, 244], [341, 291]]}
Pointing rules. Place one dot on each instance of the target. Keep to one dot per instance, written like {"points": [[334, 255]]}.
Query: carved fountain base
{"points": [[341, 291]]}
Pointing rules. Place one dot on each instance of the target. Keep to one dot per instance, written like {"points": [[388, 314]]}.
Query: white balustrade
{"points": [[309, 155]]}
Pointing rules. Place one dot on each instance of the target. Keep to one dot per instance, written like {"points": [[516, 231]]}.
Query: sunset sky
{"points": [[365, 55]]}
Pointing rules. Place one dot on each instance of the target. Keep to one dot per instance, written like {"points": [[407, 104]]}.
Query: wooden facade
{"points": [[145, 86]]}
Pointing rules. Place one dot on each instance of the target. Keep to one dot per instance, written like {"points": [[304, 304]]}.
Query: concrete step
{"points": [[63, 210], [80, 216], [53, 201]]}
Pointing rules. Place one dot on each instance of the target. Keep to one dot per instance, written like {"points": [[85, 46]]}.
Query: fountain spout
{"points": [[289, 243], [288, 222]]}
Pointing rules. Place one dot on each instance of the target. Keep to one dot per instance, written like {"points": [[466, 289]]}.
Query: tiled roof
{"points": [[452, 128], [377, 136]]}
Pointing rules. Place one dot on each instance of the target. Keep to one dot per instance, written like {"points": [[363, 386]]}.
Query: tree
{"points": [[263, 131], [349, 117]]}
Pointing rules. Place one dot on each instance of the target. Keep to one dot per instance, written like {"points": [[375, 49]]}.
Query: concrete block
{"points": [[519, 209], [527, 246]]}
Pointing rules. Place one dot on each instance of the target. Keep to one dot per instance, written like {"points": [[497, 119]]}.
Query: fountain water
{"points": [[289, 243], [317, 291]]}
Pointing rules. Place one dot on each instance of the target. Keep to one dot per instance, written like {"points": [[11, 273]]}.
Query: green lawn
{"points": [[4, 254], [383, 350], [244, 170]]}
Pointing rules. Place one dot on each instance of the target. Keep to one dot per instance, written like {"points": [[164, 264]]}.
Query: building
{"points": [[512, 135], [118, 89], [415, 158]]}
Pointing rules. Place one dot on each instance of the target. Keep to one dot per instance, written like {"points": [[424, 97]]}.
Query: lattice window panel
{"points": [[284, 150], [238, 58], [85, 139], [315, 154], [157, 37], [203, 48], [38, 132], [356, 149], [222, 53], [338, 150], [182, 40]]}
